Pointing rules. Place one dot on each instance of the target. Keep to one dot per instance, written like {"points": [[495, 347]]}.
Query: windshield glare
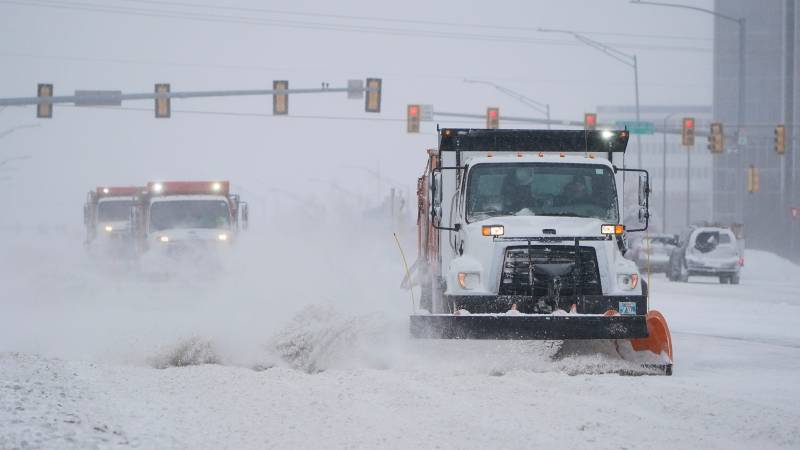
{"points": [[541, 189], [189, 214], [114, 210]]}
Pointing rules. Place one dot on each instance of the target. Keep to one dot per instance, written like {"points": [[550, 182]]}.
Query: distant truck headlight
{"points": [[468, 280], [222, 237], [164, 239], [628, 281], [108, 228]]}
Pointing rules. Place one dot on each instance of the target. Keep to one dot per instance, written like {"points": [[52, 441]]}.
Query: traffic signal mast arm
{"points": [[118, 97]]}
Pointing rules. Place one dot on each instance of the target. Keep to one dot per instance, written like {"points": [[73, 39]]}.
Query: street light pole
{"points": [[740, 114], [543, 108], [624, 58]]}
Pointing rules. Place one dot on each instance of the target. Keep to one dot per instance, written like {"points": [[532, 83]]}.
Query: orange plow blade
{"points": [[659, 339]]}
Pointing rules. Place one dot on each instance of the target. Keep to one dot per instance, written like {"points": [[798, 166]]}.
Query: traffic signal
{"points": [[44, 110], [716, 139], [373, 103], [280, 102], [780, 139], [163, 106], [753, 179], [413, 118], [590, 121], [492, 118], [687, 133]]}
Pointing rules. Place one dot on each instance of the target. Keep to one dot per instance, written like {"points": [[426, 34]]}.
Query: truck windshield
{"points": [[189, 214], [541, 189], [114, 210]]}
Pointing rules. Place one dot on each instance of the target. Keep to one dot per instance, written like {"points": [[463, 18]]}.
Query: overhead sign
{"points": [[355, 89], [637, 127], [98, 98], [427, 113]]}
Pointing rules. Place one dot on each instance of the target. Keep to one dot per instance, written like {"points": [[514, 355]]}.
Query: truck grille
{"points": [[554, 267]]}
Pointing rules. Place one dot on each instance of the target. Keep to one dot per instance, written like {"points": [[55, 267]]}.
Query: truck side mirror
{"points": [[644, 190], [643, 215], [436, 191], [436, 215], [245, 215]]}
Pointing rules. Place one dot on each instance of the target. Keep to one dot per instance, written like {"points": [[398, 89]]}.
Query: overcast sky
{"points": [[421, 56]]}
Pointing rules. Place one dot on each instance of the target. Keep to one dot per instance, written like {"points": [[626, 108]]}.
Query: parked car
{"points": [[706, 251], [658, 247]]}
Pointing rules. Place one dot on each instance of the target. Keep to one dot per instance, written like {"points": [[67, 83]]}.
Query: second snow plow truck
{"points": [[182, 218], [520, 236]]}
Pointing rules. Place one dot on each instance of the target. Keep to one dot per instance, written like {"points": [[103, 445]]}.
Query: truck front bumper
{"points": [[527, 327], [584, 304]]}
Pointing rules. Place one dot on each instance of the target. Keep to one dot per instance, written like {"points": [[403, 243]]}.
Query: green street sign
{"points": [[635, 127]]}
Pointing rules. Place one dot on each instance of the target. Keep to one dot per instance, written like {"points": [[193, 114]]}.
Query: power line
{"points": [[312, 70], [217, 18], [396, 20]]}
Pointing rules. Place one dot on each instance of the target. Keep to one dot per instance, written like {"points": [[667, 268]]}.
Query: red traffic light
{"points": [[493, 113], [590, 121], [413, 110], [688, 122]]}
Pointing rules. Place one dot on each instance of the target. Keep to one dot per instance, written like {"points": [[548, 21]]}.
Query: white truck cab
{"points": [[175, 216]]}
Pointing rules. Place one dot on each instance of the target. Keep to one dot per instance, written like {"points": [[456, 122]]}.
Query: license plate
{"points": [[627, 308]]}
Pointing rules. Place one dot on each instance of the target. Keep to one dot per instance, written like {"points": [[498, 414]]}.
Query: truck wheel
{"points": [[724, 279], [734, 279]]}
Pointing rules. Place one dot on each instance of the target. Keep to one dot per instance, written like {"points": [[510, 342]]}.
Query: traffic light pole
{"points": [[109, 98], [548, 122], [664, 177]]}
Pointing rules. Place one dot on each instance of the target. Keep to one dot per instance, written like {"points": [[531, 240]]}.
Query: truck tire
{"points": [[734, 279], [723, 279]]}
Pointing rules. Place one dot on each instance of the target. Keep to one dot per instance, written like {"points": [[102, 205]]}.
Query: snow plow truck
{"points": [[521, 236], [180, 218], [106, 216]]}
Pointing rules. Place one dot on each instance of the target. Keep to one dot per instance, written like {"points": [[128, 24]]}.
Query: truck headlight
{"points": [[469, 280], [609, 229], [493, 230], [222, 237], [164, 239], [108, 228], [628, 281]]}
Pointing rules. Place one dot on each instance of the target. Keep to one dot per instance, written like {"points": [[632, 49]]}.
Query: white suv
{"points": [[706, 251]]}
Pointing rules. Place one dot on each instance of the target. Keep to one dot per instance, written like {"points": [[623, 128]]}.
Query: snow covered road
{"points": [[81, 375]]}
